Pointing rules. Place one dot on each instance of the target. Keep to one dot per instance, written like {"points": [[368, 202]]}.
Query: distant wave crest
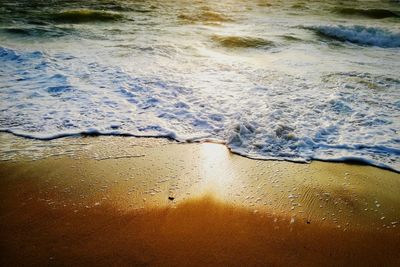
{"points": [[241, 41], [206, 16], [369, 13], [368, 36], [85, 15]]}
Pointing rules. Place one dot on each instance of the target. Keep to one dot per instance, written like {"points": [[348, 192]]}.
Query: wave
{"points": [[241, 41], [48, 96], [367, 36], [368, 13], [37, 31], [299, 6], [85, 15], [205, 17]]}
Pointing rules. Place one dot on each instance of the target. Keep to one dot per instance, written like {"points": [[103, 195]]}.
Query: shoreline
{"points": [[348, 160], [153, 202]]}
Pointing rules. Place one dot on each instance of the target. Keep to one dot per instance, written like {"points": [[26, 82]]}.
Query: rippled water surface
{"points": [[295, 80]]}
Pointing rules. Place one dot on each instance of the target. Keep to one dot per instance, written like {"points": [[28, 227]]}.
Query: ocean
{"points": [[283, 80]]}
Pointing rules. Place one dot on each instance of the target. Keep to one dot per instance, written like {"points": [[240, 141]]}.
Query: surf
{"points": [[361, 35]]}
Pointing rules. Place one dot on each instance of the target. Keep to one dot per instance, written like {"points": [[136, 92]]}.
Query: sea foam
{"points": [[348, 116]]}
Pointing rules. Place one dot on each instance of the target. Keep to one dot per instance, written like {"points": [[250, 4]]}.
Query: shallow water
{"points": [[272, 79]]}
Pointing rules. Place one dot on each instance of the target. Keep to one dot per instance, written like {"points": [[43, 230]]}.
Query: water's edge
{"points": [[345, 160]]}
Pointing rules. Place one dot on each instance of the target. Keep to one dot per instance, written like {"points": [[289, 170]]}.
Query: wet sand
{"points": [[107, 201]]}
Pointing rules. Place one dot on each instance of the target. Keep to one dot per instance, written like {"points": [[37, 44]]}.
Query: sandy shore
{"points": [[115, 201]]}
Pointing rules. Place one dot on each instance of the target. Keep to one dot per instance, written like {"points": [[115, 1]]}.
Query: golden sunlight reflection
{"points": [[215, 159]]}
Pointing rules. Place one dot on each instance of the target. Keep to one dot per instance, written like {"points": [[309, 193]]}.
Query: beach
{"points": [[199, 133], [123, 201]]}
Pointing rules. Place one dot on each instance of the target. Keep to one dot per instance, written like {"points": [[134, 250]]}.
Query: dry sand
{"points": [[119, 201]]}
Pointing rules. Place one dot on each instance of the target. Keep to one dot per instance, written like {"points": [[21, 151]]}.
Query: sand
{"points": [[123, 201]]}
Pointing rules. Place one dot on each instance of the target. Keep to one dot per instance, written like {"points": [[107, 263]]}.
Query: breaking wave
{"points": [[347, 116], [361, 35]]}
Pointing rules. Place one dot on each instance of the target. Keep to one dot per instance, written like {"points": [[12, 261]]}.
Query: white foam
{"points": [[257, 113]]}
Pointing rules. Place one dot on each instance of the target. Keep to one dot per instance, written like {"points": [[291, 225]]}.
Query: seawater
{"points": [[289, 80]]}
